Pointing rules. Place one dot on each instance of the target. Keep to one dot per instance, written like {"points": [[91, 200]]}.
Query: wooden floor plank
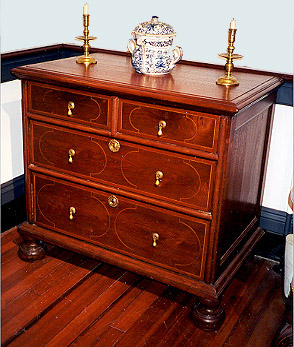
{"points": [[124, 312], [68, 299], [132, 313], [62, 272], [55, 320], [180, 332], [237, 297], [109, 337], [157, 319], [30, 275], [267, 300], [95, 331], [8, 236], [269, 323], [92, 312], [28, 307], [10, 262], [7, 250], [10, 249]]}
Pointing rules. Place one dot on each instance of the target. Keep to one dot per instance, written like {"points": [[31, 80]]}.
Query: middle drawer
{"points": [[155, 173]]}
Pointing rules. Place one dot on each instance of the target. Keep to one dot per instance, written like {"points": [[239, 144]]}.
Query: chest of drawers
{"points": [[159, 175]]}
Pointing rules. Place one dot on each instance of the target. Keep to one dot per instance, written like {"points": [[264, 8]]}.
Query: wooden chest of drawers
{"points": [[159, 175]]}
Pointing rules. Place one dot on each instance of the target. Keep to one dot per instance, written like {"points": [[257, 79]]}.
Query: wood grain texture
{"points": [[182, 241], [67, 299], [76, 48], [187, 84], [87, 108], [245, 172], [209, 145], [188, 129], [187, 181]]}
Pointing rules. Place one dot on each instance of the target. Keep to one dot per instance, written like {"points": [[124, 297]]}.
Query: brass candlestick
{"points": [[228, 79], [86, 58]]}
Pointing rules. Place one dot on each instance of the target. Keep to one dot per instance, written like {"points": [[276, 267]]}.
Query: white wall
{"points": [[280, 162], [264, 37], [11, 131]]}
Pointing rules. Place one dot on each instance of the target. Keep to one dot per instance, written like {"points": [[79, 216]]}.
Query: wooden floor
{"points": [[67, 299]]}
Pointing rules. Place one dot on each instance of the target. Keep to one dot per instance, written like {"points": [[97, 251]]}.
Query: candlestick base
{"points": [[87, 60], [227, 81]]}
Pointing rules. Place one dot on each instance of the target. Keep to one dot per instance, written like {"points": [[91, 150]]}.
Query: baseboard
{"points": [[278, 222], [12, 189], [285, 94], [13, 213], [35, 55]]}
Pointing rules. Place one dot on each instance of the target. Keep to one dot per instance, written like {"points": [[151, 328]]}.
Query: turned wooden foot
{"points": [[208, 315], [31, 250]]}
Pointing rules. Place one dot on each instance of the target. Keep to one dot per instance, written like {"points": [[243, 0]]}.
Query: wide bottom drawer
{"points": [[147, 233]]}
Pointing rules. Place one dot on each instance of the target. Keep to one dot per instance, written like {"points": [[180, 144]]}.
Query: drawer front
{"points": [[152, 235], [84, 108], [181, 127], [155, 173]]}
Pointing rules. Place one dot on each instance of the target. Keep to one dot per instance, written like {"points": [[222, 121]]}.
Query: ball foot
{"points": [[208, 315], [31, 250]]}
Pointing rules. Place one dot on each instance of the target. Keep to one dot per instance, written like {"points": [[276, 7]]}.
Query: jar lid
{"points": [[154, 27]]}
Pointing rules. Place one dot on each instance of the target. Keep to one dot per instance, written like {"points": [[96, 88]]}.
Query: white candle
{"points": [[233, 24], [86, 9]]}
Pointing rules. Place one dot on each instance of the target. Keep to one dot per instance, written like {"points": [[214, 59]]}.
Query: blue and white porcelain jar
{"points": [[150, 48]]}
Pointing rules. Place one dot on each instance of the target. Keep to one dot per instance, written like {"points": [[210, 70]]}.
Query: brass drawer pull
{"points": [[71, 154], [158, 177], [155, 238], [72, 212], [113, 201], [70, 107], [161, 125], [114, 145]]}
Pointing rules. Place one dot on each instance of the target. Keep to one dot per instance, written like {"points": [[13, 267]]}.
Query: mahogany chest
{"points": [[160, 175]]}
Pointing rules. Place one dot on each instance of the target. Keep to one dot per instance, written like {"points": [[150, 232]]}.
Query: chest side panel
{"points": [[244, 179]]}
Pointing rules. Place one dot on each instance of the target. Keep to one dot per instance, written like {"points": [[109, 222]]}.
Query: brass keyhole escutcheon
{"points": [[155, 238], [70, 107], [113, 201], [161, 125], [72, 212], [158, 177], [114, 145], [71, 154]]}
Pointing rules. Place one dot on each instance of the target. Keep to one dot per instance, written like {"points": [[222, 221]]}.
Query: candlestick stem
{"points": [[86, 58], [228, 79]]}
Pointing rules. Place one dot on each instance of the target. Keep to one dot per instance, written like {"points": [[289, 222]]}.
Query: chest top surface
{"points": [[188, 83]]}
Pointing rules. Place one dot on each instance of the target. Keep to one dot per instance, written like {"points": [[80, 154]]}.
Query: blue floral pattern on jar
{"points": [[150, 48]]}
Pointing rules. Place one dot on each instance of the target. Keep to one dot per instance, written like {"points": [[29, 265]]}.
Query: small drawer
{"points": [[182, 127], [74, 106], [173, 178], [163, 238]]}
